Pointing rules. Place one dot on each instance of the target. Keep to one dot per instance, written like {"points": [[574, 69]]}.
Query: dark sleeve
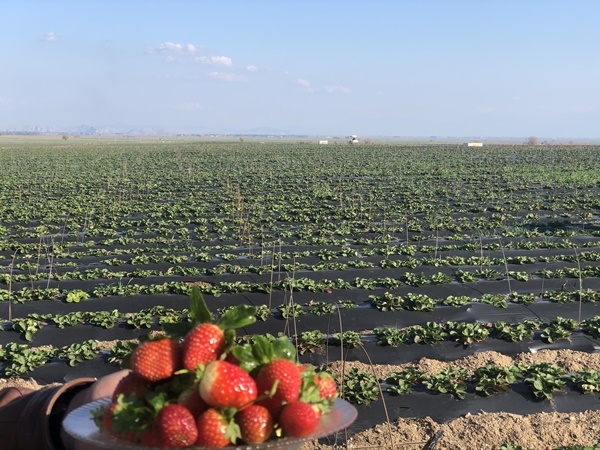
{"points": [[31, 419]]}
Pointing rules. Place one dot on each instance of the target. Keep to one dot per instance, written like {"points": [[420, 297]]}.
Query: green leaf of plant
{"points": [[238, 317], [283, 349], [198, 309], [177, 329], [262, 349]]}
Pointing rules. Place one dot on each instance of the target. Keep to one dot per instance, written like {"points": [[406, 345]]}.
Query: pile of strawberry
{"points": [[194, 387]]}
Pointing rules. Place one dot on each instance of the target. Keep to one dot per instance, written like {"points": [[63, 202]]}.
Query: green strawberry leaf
{"points": [[237, 317], [198, 309], [233, 432], [229, 335], [132, 414], [178, 329], [158, 400], [98, 416], [245, 356], [284, 349], [262, 349]]}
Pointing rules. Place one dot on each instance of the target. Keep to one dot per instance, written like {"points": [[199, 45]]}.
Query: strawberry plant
{"points": [[429, 333], [27, 327], [347, 339], [290, 311], [20, 359], [391, 336], [310, 341], [77, 353], [415, 279], [387, 302], [497, 300], [457, 301], [320, 308], [591, 326], [403, 382], [587, 381], [448, 381], [522, 299], [491, 379], [76, 296], [559, 328], [418, 302], [360, 387], [543, 379], [466, 333], [517, 331]]}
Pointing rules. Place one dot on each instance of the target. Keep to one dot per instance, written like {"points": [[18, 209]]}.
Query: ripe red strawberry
{"points": [[156, 360], [299, 419], [327, 386], [107, 423], [214, 430], [175, 427], [131, 384], [287, 375], [149, 438], [256, 424], [202, 344], [207, 341], [225, 385], [190, 399]]}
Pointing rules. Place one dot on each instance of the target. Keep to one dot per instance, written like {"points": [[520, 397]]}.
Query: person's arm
{"points": [[32, 419], [104, 387]]}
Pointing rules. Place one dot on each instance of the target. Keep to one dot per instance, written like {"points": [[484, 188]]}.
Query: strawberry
{"points": [[149, 438], [327, 387], [214, 430], [207, 340], [131, 384], [225, 385], [175, 427], [288, 378], [156, 360], [190, 398], [256, 424], [202, 344], [299, 419]]}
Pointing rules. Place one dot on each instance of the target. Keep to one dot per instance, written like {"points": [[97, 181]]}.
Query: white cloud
{"points": [[304, 84], [170, 47], [335, 89], [223, 61], [225, 76], [252, 68], [49, 37], [176, 52]]}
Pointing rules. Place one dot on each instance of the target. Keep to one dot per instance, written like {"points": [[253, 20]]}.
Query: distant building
{"points": [[474, 144], [323, 142]]}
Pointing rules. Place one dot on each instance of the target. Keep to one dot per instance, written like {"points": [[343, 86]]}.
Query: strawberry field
{"points": [[366, 257]]}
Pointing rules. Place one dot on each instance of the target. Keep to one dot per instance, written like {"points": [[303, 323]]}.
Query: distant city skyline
{"points": [[374, 68]]}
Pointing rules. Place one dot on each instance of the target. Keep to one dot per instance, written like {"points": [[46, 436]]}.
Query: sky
{"points": [[493, 68]]}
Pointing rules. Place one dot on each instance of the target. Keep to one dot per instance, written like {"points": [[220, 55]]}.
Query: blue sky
{"points": [[498, 68]]}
